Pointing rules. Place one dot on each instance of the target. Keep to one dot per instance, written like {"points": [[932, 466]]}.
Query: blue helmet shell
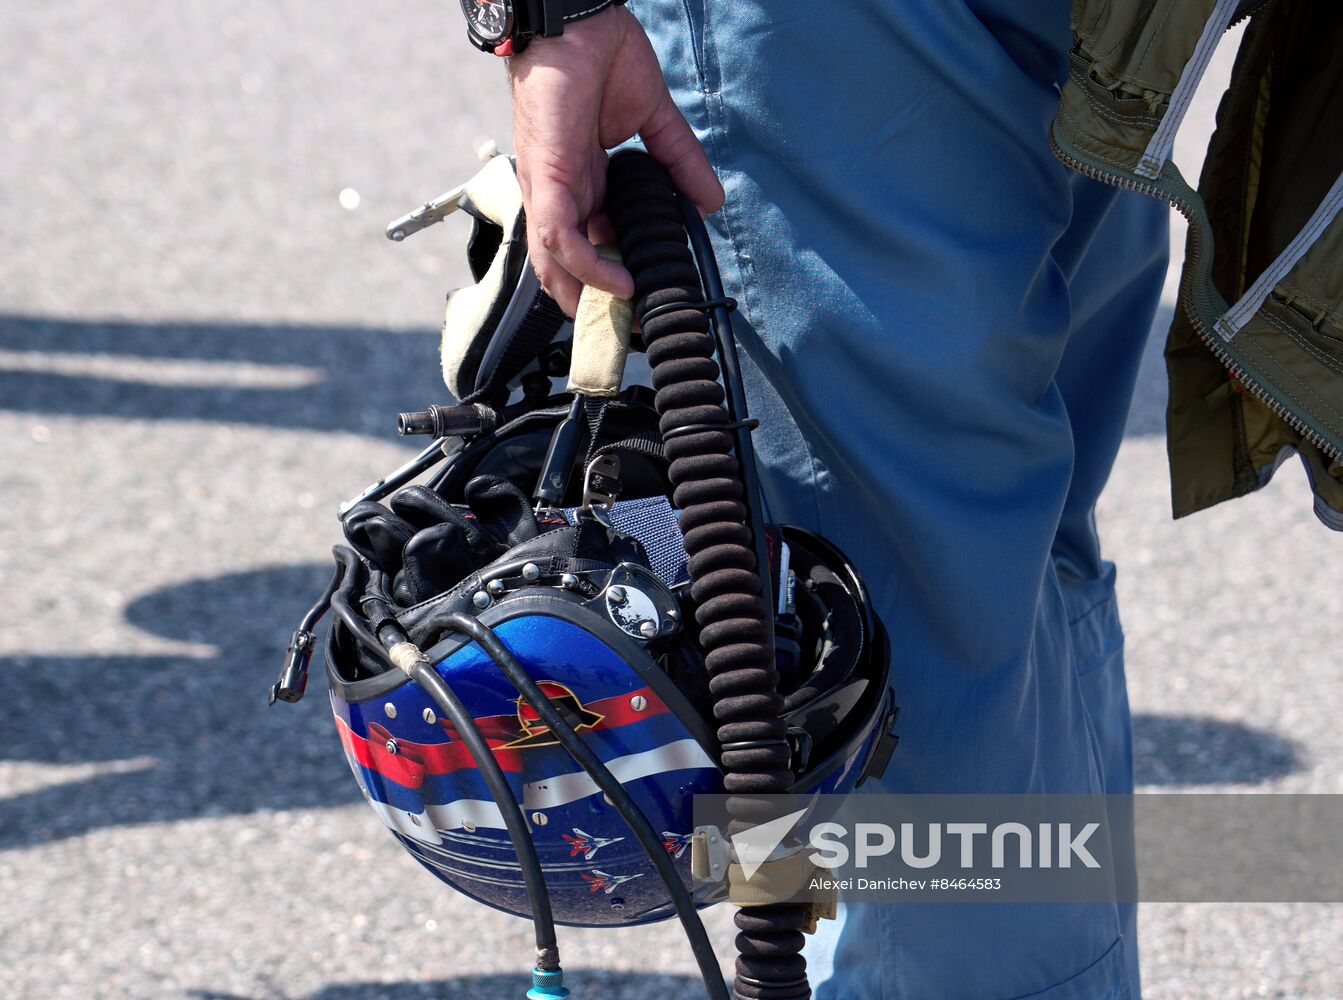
{"points": [[426, 789]]}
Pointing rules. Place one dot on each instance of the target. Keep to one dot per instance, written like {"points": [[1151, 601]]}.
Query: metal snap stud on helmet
{"points": [[578, 618]]}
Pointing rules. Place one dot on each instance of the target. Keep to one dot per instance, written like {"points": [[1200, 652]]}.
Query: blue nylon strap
{"points": [[653, 521]]}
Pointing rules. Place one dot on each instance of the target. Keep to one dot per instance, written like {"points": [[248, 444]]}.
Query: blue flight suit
{"points": [[943, 327]]}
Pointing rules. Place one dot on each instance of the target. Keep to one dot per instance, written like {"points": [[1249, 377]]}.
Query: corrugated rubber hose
{"points": [[725, 578]]}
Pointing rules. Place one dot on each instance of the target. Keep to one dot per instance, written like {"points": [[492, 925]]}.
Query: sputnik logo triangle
{"points": [[754, 846]]}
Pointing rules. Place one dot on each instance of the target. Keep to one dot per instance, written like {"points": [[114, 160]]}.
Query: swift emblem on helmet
{"points": [[602, 882], [588, 845], [675, 844]]}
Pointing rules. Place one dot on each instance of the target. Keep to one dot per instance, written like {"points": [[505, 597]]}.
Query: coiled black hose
{"points": [[726, 580]]}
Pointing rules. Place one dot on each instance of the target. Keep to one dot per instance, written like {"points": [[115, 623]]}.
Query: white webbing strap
{"points": [[1238, 315], [788, 879], [1158, 150]]}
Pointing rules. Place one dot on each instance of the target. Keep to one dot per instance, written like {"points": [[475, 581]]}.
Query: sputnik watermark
{"points": [[953, 854], [1038, 848], [1047, 845]]}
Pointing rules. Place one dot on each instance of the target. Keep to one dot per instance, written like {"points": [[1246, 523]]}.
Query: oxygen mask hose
{"points": [[377, 631], [716, 516]]}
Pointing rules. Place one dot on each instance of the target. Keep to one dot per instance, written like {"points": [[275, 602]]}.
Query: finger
{"points": [[558, 233], [669, 140], [600, 229], [548, 210], [559, 284]]}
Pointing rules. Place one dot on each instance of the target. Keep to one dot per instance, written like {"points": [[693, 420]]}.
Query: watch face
{"points": [[490, 20]]}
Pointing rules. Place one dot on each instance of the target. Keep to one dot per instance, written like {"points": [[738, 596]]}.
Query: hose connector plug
{"points": [[447, 421], [547, 985], [293, 677]]}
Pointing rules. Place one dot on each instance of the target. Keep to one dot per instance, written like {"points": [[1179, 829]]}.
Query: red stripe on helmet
{"points": [[411, 762]]}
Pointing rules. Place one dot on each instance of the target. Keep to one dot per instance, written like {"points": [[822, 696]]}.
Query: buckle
{"points": [[601, 483], [710, 854], [799, 744], [787, 875]]}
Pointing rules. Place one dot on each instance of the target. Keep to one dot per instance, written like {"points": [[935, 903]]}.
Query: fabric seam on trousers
{"points": [[1098, 654], [697, 50], [1118, 987], [717, 133], [1091, 609], [890, 932]]}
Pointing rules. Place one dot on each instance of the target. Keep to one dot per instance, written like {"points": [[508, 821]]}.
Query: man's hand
{"points": [[574, 97]]}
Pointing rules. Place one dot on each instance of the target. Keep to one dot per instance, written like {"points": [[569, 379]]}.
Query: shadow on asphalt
{"points": [[612, 985], [181, 737], [189, 737], [1179, 750], [367, 375]]}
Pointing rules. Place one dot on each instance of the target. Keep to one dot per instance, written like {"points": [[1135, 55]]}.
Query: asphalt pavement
{"points": [[202, 337]]}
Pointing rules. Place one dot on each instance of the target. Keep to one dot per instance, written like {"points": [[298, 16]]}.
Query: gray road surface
{"points": [[199, 350]]}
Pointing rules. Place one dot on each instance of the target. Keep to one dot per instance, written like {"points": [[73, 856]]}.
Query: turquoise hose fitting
{"points": [[547, 985]]}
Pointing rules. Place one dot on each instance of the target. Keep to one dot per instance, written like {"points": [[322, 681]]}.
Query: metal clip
{"points": [[710, 854], [426, 215], [601, 482], [440, 208]]}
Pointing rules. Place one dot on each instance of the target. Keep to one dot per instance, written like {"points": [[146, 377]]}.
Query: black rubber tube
{"points": [[718, 495], [615, 792], [736, 393], [290, 685], [547, 949], [423, 674], [430, 456], [315, 613], [351, 619]]}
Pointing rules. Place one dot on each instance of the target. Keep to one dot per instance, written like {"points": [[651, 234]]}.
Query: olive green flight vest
{"points": [[1255, 352]]}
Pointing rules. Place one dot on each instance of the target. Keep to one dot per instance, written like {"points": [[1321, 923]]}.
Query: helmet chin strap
{"points": [[716, 487]]}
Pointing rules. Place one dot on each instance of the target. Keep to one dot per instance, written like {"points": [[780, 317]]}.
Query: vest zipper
{"points": [[1194, 262], [1248, 9]]}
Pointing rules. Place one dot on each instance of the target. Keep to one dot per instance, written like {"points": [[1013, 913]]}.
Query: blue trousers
{"points": [[943, 328]]}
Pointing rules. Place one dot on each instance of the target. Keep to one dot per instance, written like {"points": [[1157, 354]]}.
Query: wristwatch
{"points": [[504, 27]]}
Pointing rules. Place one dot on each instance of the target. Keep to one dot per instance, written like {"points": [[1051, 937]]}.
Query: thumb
{"points": [[669, 140]]}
